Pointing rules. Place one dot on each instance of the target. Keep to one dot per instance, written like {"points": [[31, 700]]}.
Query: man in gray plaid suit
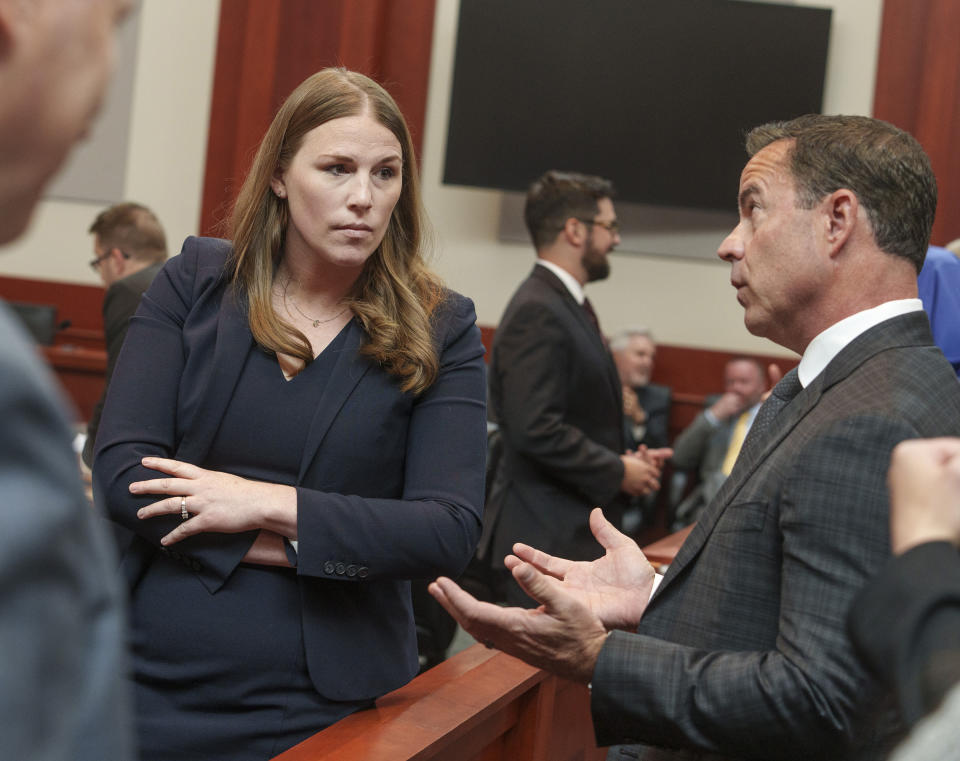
{"points": [[741, 652]]}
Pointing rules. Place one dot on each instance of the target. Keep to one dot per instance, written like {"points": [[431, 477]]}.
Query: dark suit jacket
{"points": [[906, 624], [655, 400], [63, 691], [555, 392], [390, 485], [743, 649], [119, 303]]}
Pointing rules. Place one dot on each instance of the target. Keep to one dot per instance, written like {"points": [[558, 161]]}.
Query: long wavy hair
{"points": [[396, 294]]}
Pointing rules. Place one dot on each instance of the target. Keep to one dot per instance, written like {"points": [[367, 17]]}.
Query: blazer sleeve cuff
{"points": [[615, 680]]}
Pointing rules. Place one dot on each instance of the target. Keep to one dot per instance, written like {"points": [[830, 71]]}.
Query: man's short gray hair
{"points": [[622, 338]]}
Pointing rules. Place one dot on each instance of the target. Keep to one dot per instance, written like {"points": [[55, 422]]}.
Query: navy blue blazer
{"points": [[390, 484]]}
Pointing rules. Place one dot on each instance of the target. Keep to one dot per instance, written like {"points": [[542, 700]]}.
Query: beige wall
{"points": [[168, 141], [685, 301]]}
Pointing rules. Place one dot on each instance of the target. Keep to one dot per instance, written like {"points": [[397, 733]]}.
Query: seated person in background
{"points": [[129, 248], [295, 429], [646, 410], [711, 443], [646, 405], [939, 287], [906, 622]]}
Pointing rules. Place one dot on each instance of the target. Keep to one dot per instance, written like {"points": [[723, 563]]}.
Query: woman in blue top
{"points": [[295, 428]]}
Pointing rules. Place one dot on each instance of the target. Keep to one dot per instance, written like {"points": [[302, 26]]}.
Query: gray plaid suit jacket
{"points": [[742, 652]]}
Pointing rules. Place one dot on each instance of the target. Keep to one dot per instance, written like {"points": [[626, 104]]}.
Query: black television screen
{"points": [[653, 94]]}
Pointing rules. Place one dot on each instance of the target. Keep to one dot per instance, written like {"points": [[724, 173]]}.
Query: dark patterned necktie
{"points": [[592, 316], [782, 394]]}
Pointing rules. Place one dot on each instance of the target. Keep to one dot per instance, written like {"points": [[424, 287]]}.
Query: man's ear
{"points": [[116, 259], [574, 231], [841, 214]]}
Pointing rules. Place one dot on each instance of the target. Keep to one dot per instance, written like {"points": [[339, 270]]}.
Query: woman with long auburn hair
{"points": [[295, 429]]}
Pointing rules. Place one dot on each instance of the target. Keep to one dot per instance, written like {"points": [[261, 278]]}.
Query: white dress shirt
{"points": [[576, 290], [828, 344]]}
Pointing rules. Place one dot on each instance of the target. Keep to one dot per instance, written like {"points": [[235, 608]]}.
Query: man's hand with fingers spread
{"points": [[579, 603], [561, 636], [616, 587]]}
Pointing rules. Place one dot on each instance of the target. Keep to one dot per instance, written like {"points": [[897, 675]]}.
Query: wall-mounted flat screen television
{"points": [[653, 94]]}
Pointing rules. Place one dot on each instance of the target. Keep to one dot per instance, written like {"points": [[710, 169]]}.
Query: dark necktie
{"points": [[591, 315], [782, 394]]}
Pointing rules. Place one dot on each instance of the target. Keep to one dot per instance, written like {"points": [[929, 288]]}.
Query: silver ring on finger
{"points": [[183, 508]]}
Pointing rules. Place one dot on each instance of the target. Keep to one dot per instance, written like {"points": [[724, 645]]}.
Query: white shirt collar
{"points": [[576, 290], [826, 345]]}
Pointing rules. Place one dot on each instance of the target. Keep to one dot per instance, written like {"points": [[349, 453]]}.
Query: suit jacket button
{"points": [[196, 565], [341, 569], [329, 567], [351, 570], [362, 571]]}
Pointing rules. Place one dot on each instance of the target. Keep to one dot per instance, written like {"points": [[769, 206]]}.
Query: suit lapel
{"points": [[229, 355], [580, 317], [577, 311], [233, 344], [349, 368], [911, 329], [743, 470]]}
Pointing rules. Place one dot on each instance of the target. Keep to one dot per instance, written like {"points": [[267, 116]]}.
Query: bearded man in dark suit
{"points": [[741, 652], [554, 389]]}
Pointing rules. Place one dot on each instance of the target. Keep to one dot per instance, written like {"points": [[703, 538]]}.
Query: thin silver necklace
{"points": [[316, 322]]}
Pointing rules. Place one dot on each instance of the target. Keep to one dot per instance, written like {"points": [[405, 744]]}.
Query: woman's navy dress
{"points": [[196, 687]]}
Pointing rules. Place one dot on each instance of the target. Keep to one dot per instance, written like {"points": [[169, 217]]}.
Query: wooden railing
{"points": [[480, 705], [78, 355], [662, 552]]}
